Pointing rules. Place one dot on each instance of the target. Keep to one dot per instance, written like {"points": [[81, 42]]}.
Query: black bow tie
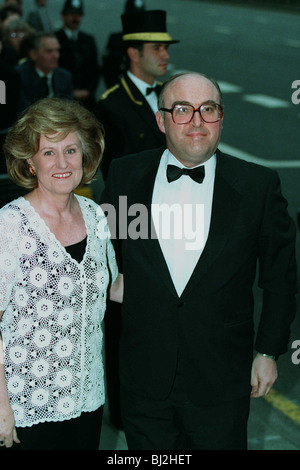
{"points": [[174, 172], [149, 90]]}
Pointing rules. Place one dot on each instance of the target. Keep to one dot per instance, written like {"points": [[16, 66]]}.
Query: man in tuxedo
{"points": [[186, 354], [127, 110], [40, 75]]}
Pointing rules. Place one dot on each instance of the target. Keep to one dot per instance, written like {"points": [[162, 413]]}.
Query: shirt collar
{"points": [[71, 34], [140, 84], [42, 74]]}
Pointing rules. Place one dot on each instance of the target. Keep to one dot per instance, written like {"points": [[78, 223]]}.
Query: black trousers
{"points": [[178, 424], [82, 433]]}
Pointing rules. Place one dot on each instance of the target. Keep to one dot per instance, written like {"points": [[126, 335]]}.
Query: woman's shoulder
{"points": [[88, 205], [12, 209]]}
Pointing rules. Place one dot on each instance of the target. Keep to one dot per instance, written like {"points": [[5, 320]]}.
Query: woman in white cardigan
{"points": [[56, 265]]}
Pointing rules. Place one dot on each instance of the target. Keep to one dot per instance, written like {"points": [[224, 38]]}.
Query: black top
{"points": [[77, 250]]}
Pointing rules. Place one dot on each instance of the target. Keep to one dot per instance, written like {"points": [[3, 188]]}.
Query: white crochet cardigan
{"points": [[53, 308]]}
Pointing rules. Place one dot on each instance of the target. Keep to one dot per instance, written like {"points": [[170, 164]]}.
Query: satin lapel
{"points": [[226, 200], [141, 105], [143, 194]]}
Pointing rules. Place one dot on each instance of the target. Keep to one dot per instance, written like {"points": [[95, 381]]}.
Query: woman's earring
{"points": [[31, 170]]}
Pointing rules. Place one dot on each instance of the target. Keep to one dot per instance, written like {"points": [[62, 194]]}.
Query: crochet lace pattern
{"points": [[53, 308]]}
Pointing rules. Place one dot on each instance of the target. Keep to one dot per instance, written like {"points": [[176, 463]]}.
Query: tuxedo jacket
{"points": [[129, 122], [211, 324], [31, 90]]}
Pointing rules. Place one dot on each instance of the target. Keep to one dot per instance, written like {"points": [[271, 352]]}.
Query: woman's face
{"points": [[58, 165], [15, 39]]}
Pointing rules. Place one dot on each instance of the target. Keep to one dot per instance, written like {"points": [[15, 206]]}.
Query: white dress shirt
{"points": [[142, 86], [181, 213], [71, 34]]}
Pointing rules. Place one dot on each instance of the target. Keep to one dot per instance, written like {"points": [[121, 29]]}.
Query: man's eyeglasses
{"points": [[184, 113]]}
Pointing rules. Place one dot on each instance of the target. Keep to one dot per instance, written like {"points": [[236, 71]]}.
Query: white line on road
{"points": [[222, 29], [267, 101], [229, 87], [260, 161], [292, 43]]}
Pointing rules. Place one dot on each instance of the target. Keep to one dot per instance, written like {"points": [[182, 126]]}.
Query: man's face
{"points": [[72, 20], [46, 58], [197, 141], [152, 61]]}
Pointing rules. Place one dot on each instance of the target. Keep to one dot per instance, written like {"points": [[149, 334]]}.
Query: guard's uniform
{"points": [[129, 122]]}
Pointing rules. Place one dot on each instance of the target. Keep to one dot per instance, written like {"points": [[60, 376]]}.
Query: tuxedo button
{"points": [[181, 304]]}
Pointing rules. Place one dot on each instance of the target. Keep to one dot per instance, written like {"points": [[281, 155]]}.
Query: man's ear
{"points": [[133, 54], [160, 121]]}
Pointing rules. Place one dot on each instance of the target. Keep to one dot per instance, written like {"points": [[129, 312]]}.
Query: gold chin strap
{"points": [[157, 37]]}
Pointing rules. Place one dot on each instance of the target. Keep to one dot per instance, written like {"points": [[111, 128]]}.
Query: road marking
{"points": [[267, 101], [222, 29], [229, 87], [260, 161], [283, 404], [292, 43]]}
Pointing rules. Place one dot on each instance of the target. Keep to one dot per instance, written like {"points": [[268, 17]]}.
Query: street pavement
{"points": [[254, 54]]}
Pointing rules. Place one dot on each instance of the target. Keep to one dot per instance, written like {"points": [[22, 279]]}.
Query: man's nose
{"points": [[197, 119], [165, 54]]}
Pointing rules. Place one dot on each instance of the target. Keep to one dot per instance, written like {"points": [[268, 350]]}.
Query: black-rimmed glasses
{"points": [[184, 113]]}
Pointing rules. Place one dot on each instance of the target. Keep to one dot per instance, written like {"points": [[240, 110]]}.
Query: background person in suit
{"points": [[78, 53], [186, 352], [38, 18], [128, 109], [40, 75]]}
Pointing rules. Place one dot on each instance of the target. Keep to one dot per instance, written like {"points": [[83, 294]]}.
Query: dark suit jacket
{"points": [[80, 57], [31, 84], [129, 122], [35, 20], [211, 324]]}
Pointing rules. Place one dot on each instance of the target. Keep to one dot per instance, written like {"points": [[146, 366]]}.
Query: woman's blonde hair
{"points": [[53, 118]]}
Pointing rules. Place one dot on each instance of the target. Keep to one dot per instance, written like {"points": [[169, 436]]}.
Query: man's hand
{"points": [[263, 375]]}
